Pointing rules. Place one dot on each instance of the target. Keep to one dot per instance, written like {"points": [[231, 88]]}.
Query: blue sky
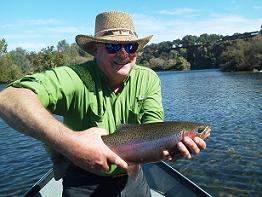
{"points": [[33, 24]]}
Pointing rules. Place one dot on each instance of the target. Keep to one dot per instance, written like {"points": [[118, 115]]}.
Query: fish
{"points": [[145, 143]]}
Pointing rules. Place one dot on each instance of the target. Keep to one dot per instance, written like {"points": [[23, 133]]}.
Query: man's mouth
{"points": [[120, 61], [119, 64]]}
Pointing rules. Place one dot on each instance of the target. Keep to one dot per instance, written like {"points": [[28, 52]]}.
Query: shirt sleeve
{"points": [[55, 88], [152, 105]]}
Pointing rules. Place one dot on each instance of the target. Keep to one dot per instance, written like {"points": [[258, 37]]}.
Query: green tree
{"points": [[72, 54], [234, 56], [188, 40], [182, 64], [165, 46], [47, 58], [255, 53], [205, 38], [157, 63], [19, 57], [3, 47], [8, 70], [177, 43]]}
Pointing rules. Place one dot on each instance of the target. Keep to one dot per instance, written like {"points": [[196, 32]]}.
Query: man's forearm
{"points": [[22, 110]]}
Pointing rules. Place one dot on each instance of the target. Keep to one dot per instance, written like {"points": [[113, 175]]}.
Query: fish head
{"points": [[197, 130], [203, 131]]}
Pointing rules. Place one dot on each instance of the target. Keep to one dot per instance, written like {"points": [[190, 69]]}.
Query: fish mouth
{"points": [[204, 132]]}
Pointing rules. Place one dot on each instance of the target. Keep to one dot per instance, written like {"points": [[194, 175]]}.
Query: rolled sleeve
{"points": [[35, 84], [55, 88]]}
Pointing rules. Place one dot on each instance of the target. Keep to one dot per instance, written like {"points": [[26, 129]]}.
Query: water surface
{"points": [[230, 166], [232, 103]]}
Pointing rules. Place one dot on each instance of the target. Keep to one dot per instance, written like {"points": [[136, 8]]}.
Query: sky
{"points": [[34, 25]]}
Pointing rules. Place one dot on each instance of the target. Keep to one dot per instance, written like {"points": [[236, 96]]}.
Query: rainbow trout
{"points": [[145, 143]]}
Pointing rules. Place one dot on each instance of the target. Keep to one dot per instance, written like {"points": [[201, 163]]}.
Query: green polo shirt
{"points": [[83, 96]]}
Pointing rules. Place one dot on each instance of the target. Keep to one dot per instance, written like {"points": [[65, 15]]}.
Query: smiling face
{"points": [[116, 66]]}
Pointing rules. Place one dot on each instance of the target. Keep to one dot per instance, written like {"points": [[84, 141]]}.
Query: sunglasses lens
{"points": [[131, 47], [112, 48]]}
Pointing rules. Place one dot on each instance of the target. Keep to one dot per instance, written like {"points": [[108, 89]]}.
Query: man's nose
{"points": [[122, 52]]}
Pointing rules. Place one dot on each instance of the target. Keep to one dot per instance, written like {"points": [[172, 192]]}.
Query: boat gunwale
{"points": [[36, 188]]}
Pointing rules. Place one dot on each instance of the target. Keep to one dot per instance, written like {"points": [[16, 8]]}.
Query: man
{"points": [[94, 98]]}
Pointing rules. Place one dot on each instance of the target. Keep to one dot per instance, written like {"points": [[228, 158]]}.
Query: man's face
{"points": [[116, 66]]}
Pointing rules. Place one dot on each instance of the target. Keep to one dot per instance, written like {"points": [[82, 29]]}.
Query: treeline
{"points": [[190, 52], [204, 52], [19, 62]]}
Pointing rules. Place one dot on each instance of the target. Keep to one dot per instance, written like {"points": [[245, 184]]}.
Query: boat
{"points": [[163, 180]]}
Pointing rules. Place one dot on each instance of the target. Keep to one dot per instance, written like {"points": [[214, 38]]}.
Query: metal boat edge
{"points": [[163, 180]]}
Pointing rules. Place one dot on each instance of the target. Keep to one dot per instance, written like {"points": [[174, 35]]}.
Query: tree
{"points": [[63, 46], [157, 63], [234, 56], [19, 57], [47, 58], [182, 64], [189, 40], [8, 70], [203, 38], [177, 43], [255, 53], [72, 54], [165, 46], [3, 47]]}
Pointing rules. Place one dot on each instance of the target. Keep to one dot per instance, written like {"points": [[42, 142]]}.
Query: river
{"points": [[231, 165]]}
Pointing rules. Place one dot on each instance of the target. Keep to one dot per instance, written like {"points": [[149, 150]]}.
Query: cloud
{"points": [[60, 29], [37, 22], [179, 11], [215, 23], [31, 22], [36, 34]]}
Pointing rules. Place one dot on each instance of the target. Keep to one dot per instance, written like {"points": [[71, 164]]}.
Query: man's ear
{"points": [[95, 49]]}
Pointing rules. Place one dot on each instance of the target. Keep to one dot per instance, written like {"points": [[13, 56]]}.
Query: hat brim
{"points": [[87, 43]]}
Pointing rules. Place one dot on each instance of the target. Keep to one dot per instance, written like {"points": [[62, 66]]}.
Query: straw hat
{"points": [[112, 27]]}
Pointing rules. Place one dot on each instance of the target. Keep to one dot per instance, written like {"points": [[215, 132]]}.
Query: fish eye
{"points": [[201, 129]]}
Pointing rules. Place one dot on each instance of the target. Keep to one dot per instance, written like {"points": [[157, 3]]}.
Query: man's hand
{"points": [[87, 150], [186, 147]]}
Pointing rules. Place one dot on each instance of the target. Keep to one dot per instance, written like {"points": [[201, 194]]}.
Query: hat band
{"points": [[111, 32]]}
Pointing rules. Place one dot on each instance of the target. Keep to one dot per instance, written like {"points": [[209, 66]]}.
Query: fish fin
{"points": [[133, 170]]}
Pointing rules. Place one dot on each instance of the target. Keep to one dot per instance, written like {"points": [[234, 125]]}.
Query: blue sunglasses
{"points": [[113, 48]]}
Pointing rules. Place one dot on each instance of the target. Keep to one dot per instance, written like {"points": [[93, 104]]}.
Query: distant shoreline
{"points": [[173, 70]]}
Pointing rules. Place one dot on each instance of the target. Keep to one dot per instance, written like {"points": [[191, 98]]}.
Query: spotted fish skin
{"points": [[145, 143]]}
